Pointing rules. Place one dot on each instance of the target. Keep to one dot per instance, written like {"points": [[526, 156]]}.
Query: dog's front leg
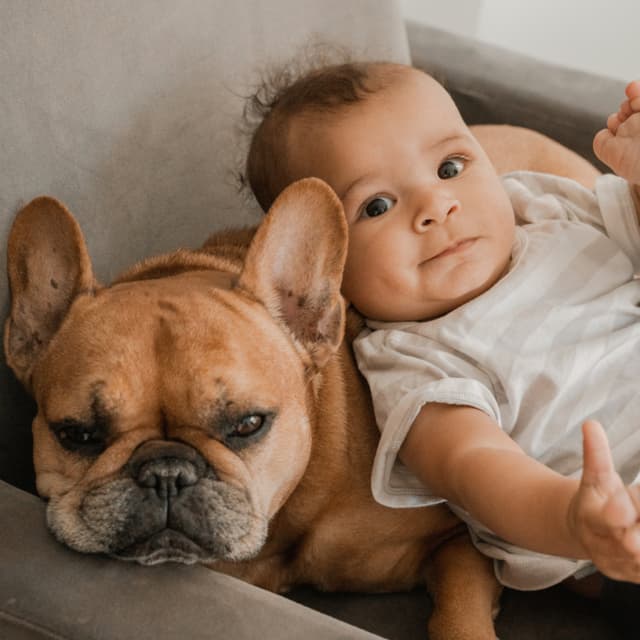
{"points": [[465, 592], [271, 573]]}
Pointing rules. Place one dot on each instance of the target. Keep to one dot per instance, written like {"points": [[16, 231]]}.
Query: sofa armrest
{"points": [[492, 85], [49, 591]]}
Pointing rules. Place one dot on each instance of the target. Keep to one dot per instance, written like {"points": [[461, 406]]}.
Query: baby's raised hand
{"points": [[618, 146], [604, 514]]}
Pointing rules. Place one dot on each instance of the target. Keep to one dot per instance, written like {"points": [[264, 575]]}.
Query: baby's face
{"points": [[430, 225]]}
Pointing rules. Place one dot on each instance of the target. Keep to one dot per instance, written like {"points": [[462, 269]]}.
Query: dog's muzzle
{"points": [[167, 504], [182, 511]]}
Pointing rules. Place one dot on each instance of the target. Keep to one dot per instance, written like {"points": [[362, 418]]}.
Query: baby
{"points": [[503, 315]]}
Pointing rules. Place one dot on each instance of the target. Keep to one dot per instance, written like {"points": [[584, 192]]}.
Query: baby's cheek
{"points": [[356, 284], [359, 288]]}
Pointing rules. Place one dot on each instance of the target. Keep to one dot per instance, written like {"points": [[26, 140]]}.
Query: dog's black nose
{"points": [[167, 476], [166, 467]]}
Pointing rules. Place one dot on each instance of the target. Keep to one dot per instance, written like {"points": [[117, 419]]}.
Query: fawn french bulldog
{"points": [[205, 407]]}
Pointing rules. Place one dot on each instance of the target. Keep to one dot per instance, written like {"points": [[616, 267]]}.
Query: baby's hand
{"points": [[604, 514], [618, 146]]}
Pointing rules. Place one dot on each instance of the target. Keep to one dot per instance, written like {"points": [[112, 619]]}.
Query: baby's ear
{"points": [[295, 262]]}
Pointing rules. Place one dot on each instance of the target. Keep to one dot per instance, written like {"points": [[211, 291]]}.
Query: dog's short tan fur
{"points": [[143, 389]]}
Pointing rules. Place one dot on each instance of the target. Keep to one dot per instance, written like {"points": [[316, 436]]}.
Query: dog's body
{"points": [[205, 408]]}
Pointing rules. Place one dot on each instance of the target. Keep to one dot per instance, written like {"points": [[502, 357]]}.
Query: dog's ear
{"points": [[294, 265], [48, 266]]}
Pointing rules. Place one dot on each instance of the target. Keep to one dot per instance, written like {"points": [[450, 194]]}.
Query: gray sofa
{"points": [[129, 113]]}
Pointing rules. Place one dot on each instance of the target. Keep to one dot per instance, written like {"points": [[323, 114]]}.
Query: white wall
{"points": [[461, 16], [602, 36]]}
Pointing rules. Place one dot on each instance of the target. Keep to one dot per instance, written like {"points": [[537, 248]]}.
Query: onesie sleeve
{"points": [[405, 371]]}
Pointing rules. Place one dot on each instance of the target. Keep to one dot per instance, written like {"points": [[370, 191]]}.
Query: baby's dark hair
{"points": [[288, 93]]}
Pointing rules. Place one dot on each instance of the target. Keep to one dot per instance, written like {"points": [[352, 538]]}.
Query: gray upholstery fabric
{"points": [[129, 114]]}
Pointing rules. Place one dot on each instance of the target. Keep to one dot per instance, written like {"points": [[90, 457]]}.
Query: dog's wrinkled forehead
{"points": [[169, 342]]}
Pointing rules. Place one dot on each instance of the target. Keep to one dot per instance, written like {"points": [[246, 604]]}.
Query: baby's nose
{"points": [[437, 213]]}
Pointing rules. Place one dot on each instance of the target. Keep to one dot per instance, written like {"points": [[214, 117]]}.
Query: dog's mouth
{"points": [[167, 505], [213, 521], [165, 546]]}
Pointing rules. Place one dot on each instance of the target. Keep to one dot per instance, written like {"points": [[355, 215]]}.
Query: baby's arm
{"points": [[618, 146], [464, 456]]}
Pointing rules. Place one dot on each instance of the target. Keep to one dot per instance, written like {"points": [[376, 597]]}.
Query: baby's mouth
{"points": [[456, 247]]}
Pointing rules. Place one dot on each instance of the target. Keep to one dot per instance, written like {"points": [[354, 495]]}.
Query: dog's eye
{"points": [[80, 438], [249, 425], [240, 430]]}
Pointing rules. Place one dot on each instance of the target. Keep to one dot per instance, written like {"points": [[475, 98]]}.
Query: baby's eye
{"points": [[377, 206], [451, 167]]}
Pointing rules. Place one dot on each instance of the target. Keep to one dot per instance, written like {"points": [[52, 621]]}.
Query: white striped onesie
{"points": [[554, 342]]}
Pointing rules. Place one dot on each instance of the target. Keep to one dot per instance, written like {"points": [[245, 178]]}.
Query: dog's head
{"points": [[175, 407]]}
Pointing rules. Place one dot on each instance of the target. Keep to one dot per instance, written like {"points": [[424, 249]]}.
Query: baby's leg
{"points": [[618, 145]]}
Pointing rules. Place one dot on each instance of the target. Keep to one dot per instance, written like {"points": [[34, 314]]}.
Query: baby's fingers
{"points": [[613, 122], [601, 141], [631, 541], [598, 471], [633, 89], [613, 545], [634, 492], [623, 562], [627, 109], [619, 513]]}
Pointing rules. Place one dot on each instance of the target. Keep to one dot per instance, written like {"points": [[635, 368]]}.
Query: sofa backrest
{"points": [[129, 113]]}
